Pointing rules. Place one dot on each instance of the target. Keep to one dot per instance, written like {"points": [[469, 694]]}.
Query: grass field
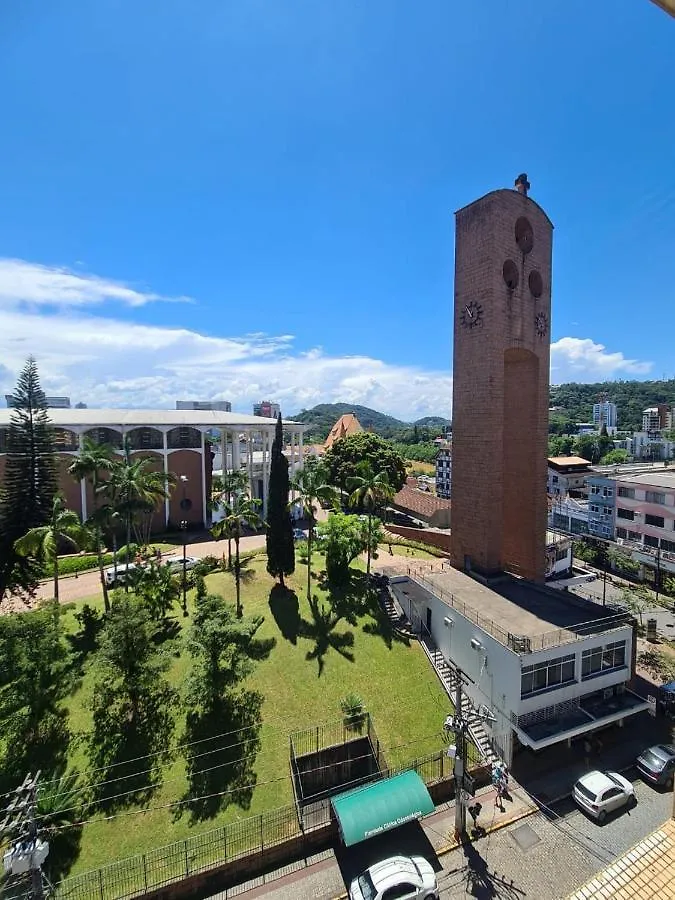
{"points": [[315, 661]]}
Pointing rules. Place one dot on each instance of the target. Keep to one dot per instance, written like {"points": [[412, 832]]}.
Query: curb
{"points": [[521, 814]]}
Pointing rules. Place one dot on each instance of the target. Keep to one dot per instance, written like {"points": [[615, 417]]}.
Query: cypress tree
{"points": [[280, 546], [29, 483]]}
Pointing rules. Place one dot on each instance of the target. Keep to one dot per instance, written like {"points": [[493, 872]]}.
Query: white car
{"points": [[176, 563], [117, 574], [396, 878], [600, 793]]}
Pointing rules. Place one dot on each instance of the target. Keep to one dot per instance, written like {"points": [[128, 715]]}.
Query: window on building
{"points": [[656, 521], [608, 492], [602, 659], [668, 546], [651, 541], [621, 532], [626, 492], [635, 536], [551, 673], [622, 513], [554, 479], [655, 497], [595, 489]]}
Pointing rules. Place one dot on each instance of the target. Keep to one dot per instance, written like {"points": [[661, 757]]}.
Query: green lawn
{"points": [[310, 668]]}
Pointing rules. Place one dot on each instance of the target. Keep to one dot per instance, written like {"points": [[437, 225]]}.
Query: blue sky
{"points": [[250, 199]]}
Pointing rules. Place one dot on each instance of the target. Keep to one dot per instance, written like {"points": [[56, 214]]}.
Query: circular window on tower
{"points": [[524, 235], [510, 274], [536, 284]]}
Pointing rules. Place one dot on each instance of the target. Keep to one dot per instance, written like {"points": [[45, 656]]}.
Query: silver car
{"points": [[600, 793], [396, 878]]}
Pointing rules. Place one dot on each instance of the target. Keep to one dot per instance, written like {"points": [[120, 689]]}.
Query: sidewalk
{"points": [[324, 875]]}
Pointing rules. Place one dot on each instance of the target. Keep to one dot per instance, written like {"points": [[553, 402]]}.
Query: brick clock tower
{"points": [[501, 384]]}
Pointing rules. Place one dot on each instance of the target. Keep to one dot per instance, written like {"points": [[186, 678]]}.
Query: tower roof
{"points": [[345, 425]]}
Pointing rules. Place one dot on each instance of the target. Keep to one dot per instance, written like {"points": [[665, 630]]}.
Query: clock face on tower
{"points": [[472, 316], [541, 324]]}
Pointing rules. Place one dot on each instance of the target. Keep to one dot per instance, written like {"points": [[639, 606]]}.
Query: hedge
{"points": [[69, 565]]}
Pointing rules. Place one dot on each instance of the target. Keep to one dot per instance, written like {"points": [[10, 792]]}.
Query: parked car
{"points": [[657, 765], [299, 535], [176, 563], [117, 574], [600, 793], [402, 877]]}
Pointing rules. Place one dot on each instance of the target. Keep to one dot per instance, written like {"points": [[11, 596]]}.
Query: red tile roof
{"points": [[419, 503]]}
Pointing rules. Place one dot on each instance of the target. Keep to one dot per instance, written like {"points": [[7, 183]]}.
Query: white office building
{"points": [[205, 405], [548, 667]]}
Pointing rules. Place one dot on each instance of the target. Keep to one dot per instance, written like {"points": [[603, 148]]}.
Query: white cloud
{"points": [[107, 361], [23, 282], [582, 359]]}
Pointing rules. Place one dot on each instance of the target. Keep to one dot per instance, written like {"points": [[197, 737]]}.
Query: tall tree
{"points": [[42, 543], [368, 491], [312, 487], [232, 483], [279, 537], [29, 483], [344, 457], [135, 489], [241, 512], [94, 460]]}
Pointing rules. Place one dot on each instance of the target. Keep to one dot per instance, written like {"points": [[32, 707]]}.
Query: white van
{"points": [[117, 574]]}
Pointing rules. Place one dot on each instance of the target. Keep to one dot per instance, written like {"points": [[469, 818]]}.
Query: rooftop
{"points": [[132, 418], [345, 425], [567, 462], [651, 479], [420, 503], [519, 614]]}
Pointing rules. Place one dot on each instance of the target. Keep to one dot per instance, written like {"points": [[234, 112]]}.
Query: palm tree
{"points": [[43, 542], [368, 491], [93, 460], [231, 484], [135, 488], [311, 486], [239, 512]]}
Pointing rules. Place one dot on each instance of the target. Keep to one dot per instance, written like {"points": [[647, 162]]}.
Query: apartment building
{"points": [[601, 506], [52, 402], [266, 409], [567, 475], [605, 413], [568, 514], [549, 667], [444, 470], [645, 516]]}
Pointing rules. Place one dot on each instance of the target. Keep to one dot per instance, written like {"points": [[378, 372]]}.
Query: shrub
{"points": [[353, 711]]}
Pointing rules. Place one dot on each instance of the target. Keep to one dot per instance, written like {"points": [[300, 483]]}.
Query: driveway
{"points": [[88, 584]]}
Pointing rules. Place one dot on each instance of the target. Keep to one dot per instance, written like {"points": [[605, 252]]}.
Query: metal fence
{"points": [[330, 734], [173, 862], [136, 875]]}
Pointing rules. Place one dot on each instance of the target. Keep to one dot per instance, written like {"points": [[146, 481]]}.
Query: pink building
{"points": [[645, 515]]}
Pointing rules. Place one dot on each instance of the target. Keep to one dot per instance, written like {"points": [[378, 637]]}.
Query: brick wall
{"points": [[435, 538], [500, 388]]}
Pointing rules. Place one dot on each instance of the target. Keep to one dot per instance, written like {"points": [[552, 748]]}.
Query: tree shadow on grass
{"points": [[321, 630], [122, 736], [285, 610], [221, 767]]}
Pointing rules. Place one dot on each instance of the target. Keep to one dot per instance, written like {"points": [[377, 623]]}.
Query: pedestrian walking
{"points": [[474, 812], [498, 797]]}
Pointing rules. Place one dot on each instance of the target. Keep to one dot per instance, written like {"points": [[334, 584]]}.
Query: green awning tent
{"points": [[367, 811]]}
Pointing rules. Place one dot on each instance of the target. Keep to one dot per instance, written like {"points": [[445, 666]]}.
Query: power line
{"points": [[190, 800]]}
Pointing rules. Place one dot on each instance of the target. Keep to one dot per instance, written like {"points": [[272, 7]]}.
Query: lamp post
{"points": [[185, 504], [183, 527]]}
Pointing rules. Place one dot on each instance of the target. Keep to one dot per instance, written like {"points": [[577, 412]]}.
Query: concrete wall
{"points": [[435, 538]]}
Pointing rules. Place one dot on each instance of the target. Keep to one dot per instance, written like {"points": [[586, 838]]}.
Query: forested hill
{"points": [[631, 398], [321, 419]]}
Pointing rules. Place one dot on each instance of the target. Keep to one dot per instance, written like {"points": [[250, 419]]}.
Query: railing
{"points": [[329, 734], [137, 875], [520, 643]]}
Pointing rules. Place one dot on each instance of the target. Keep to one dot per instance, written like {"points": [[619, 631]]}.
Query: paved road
{"points": [[88, 584]]}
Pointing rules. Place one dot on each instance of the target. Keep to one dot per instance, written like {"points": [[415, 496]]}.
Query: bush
{"points": [[85, 562], [353, 711], [398, 541]]}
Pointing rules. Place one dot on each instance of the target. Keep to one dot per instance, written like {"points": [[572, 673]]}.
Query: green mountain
{"points": [[631, 398], [432, 422], [321, 418]]}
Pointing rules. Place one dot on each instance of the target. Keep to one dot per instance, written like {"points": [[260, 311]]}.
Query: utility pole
{"points": [[461, 726], [28, 852]]}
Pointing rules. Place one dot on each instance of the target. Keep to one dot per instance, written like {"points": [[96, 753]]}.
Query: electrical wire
{"points": [[190, 800]]}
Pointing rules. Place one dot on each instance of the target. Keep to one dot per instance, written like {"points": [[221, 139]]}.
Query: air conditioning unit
{"points": [[476, 644]]}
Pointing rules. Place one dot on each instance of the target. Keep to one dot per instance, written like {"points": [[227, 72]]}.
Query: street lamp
{"points": [[183, 527], [185, 505]]}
